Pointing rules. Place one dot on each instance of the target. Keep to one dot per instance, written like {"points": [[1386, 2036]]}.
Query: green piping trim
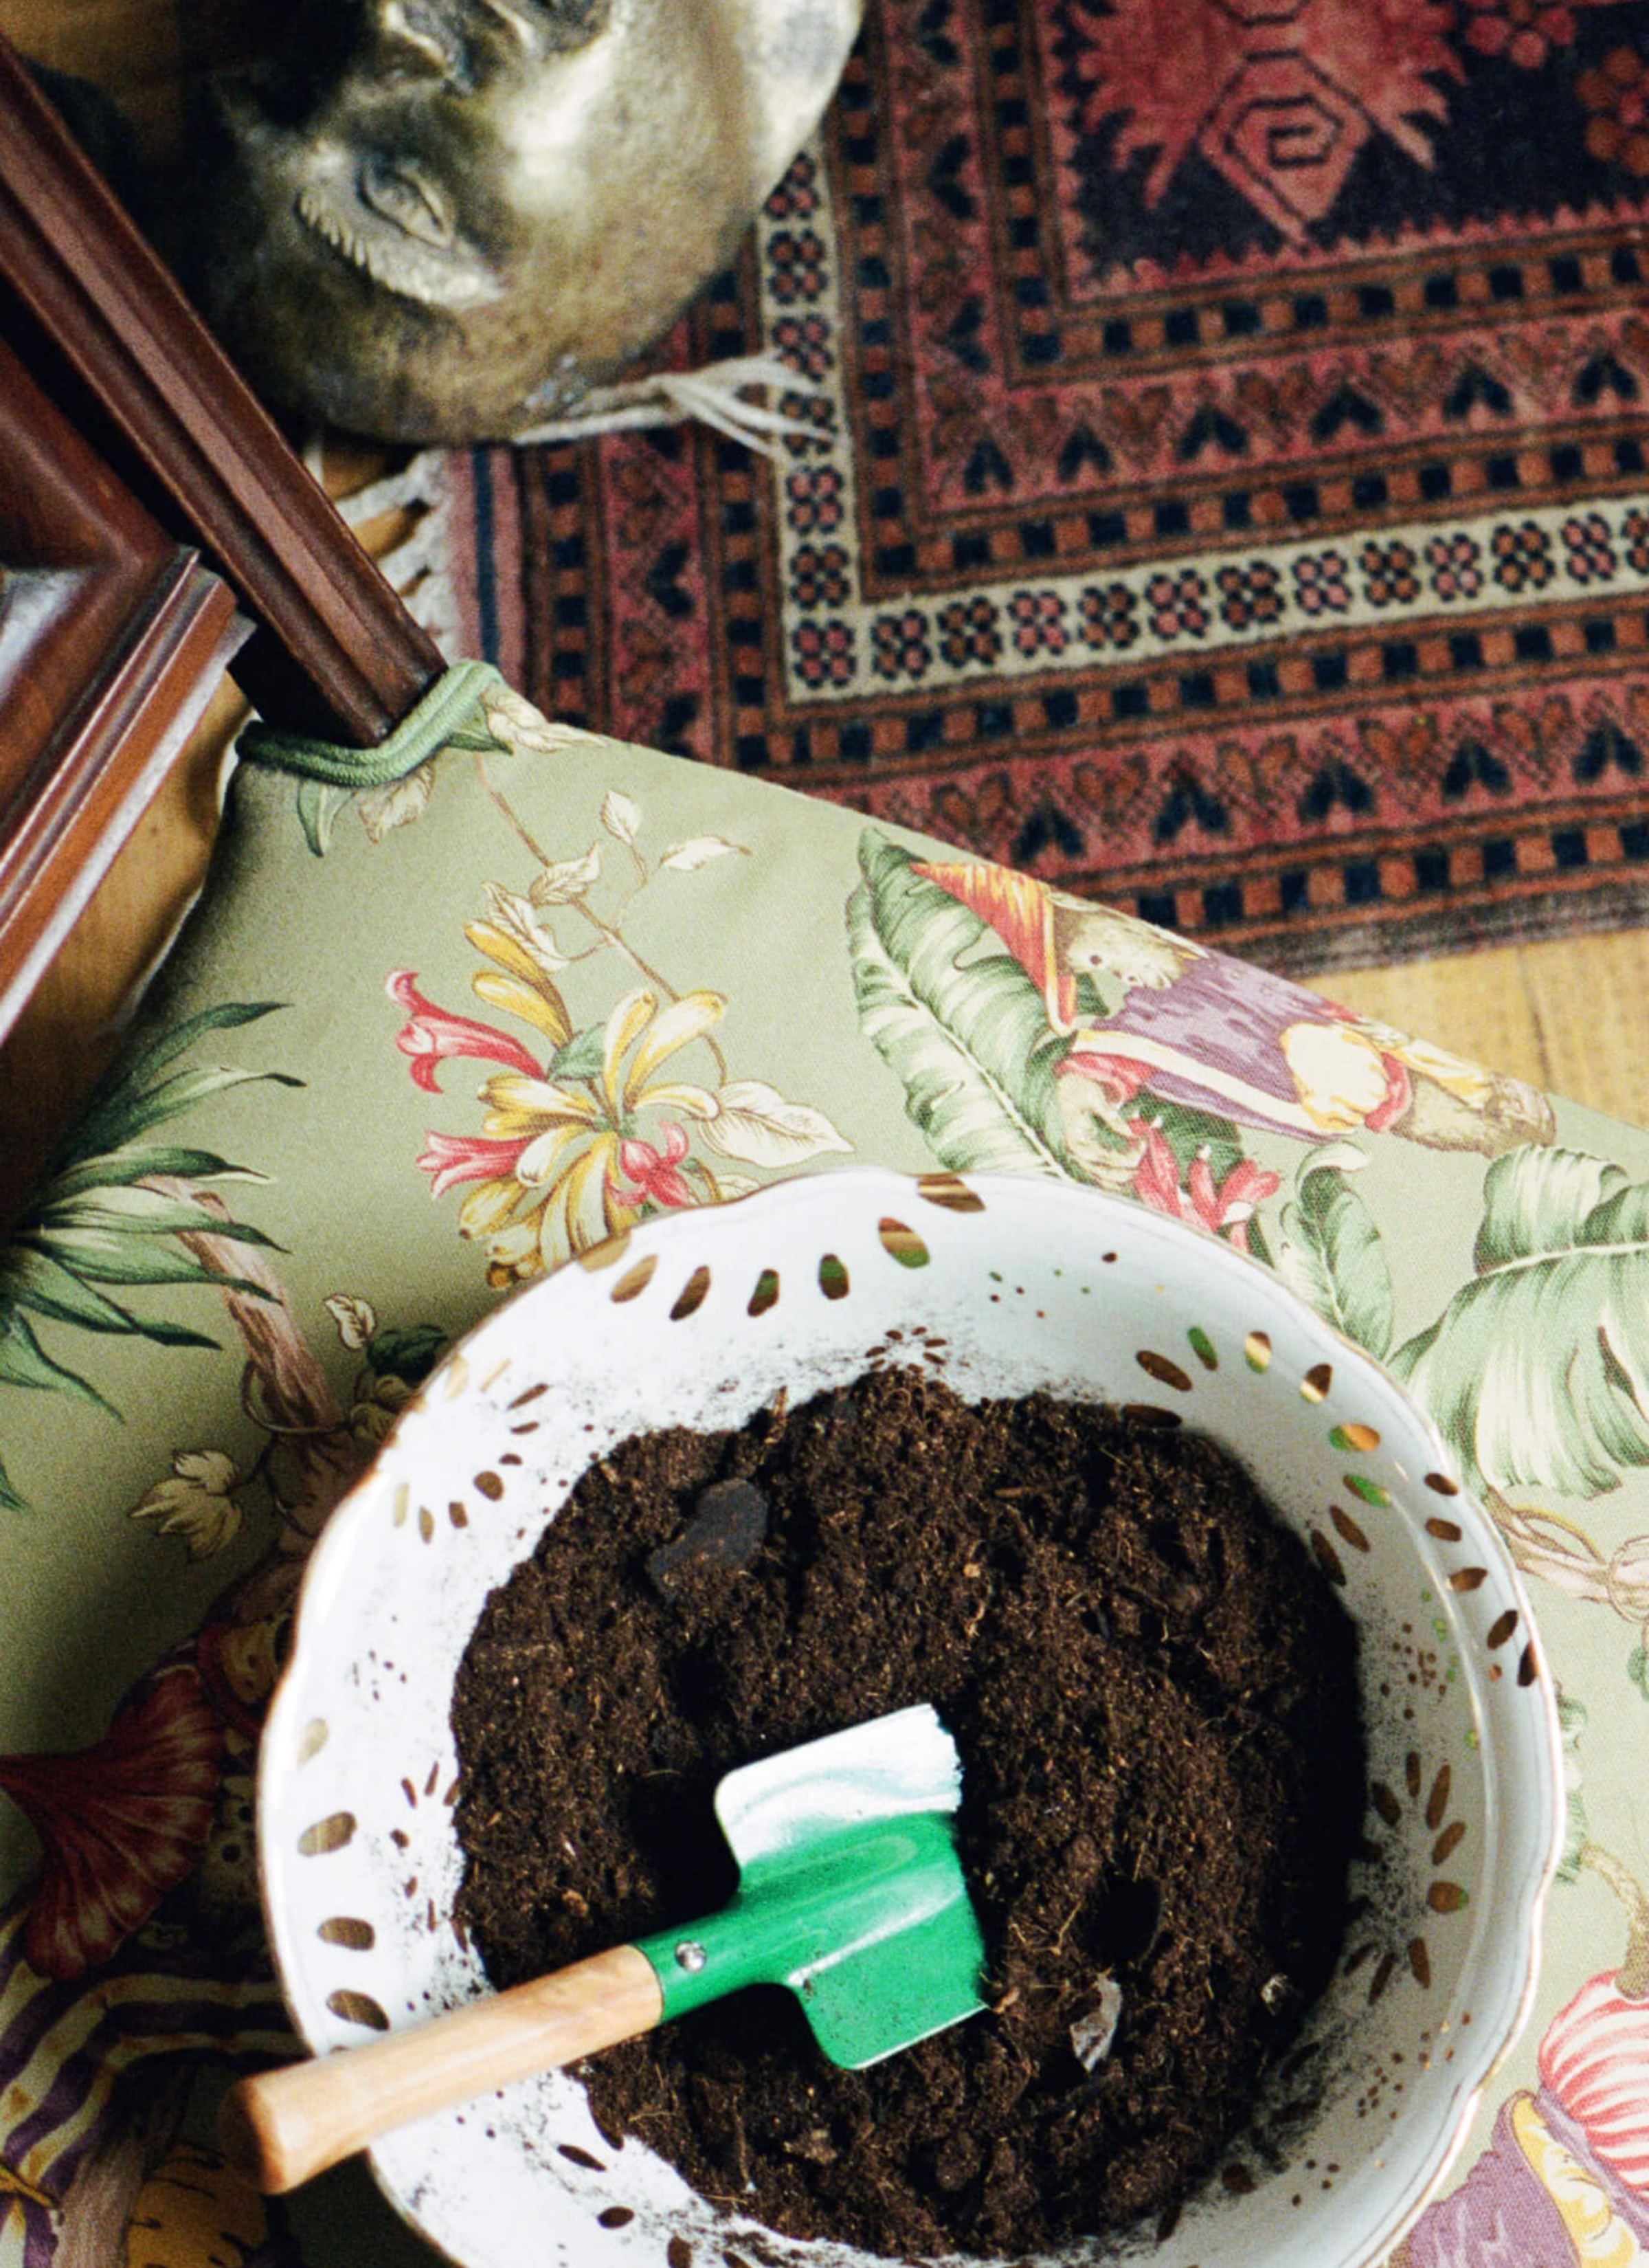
{"points": [[438, 719]]}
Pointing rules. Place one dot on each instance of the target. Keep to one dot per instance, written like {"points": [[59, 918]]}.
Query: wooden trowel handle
{"points": [[281, 2126]]}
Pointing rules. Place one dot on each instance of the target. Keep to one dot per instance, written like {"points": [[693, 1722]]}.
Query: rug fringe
{"points": [[418, 482], [671, 397]]}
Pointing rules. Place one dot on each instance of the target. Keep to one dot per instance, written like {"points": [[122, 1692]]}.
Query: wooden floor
{"points": [[1567, 1014]]}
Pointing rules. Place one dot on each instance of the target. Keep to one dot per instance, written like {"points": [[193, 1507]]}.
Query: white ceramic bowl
{"points": [[1005, 1286]]}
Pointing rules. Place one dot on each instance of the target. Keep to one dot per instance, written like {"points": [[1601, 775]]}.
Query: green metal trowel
{"points": [[850, 1892]]}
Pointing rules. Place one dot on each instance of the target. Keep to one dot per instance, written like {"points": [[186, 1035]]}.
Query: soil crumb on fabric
{"points": [[1153, 1692]]}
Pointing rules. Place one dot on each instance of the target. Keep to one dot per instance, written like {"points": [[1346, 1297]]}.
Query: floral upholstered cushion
{"points": [[454, 1013]]}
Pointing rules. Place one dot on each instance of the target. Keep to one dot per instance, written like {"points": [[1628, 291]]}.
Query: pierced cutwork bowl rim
{"points": [[687, 1319]]}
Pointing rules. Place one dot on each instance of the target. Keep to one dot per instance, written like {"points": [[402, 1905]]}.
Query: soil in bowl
{"points": [[1154, 1694]]}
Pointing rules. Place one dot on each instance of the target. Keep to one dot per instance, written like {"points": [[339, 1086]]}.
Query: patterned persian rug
{"points": [[1228, 491]]}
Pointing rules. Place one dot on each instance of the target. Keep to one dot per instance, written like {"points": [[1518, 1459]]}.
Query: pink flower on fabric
{"points": [[449, 1159], [1226, 1208], [430, 1034], [1157, 1175], [1118, 1078], [653, 1173], [1218, 1208]]}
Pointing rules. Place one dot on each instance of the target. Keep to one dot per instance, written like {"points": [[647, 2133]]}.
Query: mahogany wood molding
{"points": [[112, 639], [341, 655]]}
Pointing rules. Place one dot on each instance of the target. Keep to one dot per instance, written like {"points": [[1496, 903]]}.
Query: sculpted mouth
{"points": [[396, 227]]}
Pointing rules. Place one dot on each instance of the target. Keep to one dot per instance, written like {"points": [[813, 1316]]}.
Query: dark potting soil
{"points": [[1153, 1693]]}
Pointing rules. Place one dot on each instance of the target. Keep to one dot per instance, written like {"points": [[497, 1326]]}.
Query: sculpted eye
{"points": [[396, 193]]}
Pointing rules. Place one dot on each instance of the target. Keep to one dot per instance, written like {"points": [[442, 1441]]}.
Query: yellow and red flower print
{"points": [[431, 1034], [563, 1160]]}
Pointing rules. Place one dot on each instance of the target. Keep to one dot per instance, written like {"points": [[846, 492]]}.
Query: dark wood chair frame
{"points": [[152, 517], [111, 637]]}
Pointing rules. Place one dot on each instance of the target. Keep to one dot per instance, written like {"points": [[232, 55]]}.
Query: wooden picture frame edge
{"points": [[113, 638]]}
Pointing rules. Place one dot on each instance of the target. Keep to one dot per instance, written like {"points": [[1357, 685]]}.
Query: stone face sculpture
{"points": [[444, 220]]}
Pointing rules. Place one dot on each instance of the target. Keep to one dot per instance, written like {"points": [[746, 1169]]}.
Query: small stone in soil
{"points": [[1093, 2032], [727, 1529]]}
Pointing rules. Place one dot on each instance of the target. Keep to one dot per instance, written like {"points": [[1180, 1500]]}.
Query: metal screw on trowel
{"points": [[690, 1955]]}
